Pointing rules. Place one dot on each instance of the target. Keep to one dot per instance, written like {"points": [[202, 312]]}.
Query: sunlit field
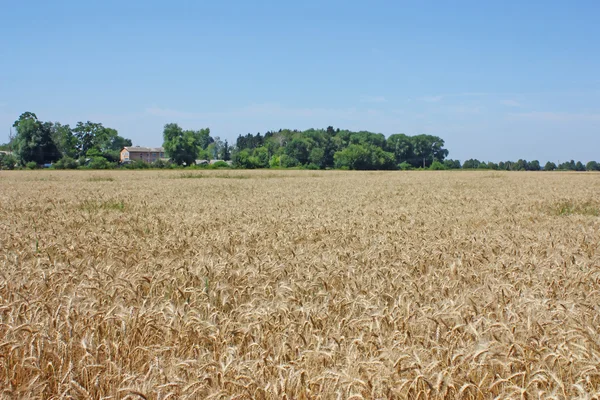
{"points": [[299, 284]]}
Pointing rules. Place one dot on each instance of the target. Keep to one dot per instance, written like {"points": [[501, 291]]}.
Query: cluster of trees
{"points": [[92, 145], [335, 148], [524, 165], [184, 147], [37, 143]]}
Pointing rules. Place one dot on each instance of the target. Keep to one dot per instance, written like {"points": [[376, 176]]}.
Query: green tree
{"points": [[317, 157], [452, 164], [260, 157], [520, 165], [33, 141], [8, 161], [401, 146], [471, 164], [225, 152], [534, 166], [117, 143], [592, 166], [181, 146], [579, 166], [65, 140], [299, 149], [364, 157], [426, 149], [93, 135], [437, 166], [550, 166]]}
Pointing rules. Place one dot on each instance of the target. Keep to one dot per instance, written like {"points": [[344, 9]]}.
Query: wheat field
{"points": [[299, 285]]}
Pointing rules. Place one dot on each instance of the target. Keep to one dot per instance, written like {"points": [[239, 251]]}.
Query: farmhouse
{"points": [[147, 154]]}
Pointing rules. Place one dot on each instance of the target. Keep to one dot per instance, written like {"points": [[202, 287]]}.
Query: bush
{"points": [[437, 166], [31, 165], [65, 163], [404, 166], [7, 161], [287, 161], [100, 163], [219, 164], [274, 162], [139, 164], [161, 164]]}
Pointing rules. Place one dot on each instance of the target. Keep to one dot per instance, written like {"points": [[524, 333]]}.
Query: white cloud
{"points": [[510, 103]]}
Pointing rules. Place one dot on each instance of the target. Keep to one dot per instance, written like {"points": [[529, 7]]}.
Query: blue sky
{"points": [[496, 80]]}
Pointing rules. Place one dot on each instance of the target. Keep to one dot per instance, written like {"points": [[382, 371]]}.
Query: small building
{"points": [[146, 154]]}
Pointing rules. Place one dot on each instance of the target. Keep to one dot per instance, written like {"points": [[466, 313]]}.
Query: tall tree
{"points": [[401, 146], [33, 141], [65, 140], [225, 151], [183, 146], [90, 136], [426, 149]]}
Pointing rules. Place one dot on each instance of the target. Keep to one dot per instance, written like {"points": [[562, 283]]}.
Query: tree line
{"points": [[92, 145], [39, 143], [335, 148]]}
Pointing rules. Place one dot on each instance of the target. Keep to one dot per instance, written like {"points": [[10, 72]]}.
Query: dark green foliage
{"points": [[471, 164], [139, 164], [161, 164], [404, 166], [8, 161], [437, 166], [65, 140], [567, 166], [364, 157], [219, 165], [334, 148], [550, 166], [99, 163], [33, 141], [183, 147], [534, 166], [225, 152], [66, 163], [452, 164], [592, 166]]}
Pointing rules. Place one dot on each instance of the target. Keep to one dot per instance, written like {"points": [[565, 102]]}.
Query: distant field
{"points": [[299, 284]]}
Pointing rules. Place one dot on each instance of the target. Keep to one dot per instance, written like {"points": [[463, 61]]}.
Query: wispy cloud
{"points": [[548, 116], [510, 103], [373, 99]]}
